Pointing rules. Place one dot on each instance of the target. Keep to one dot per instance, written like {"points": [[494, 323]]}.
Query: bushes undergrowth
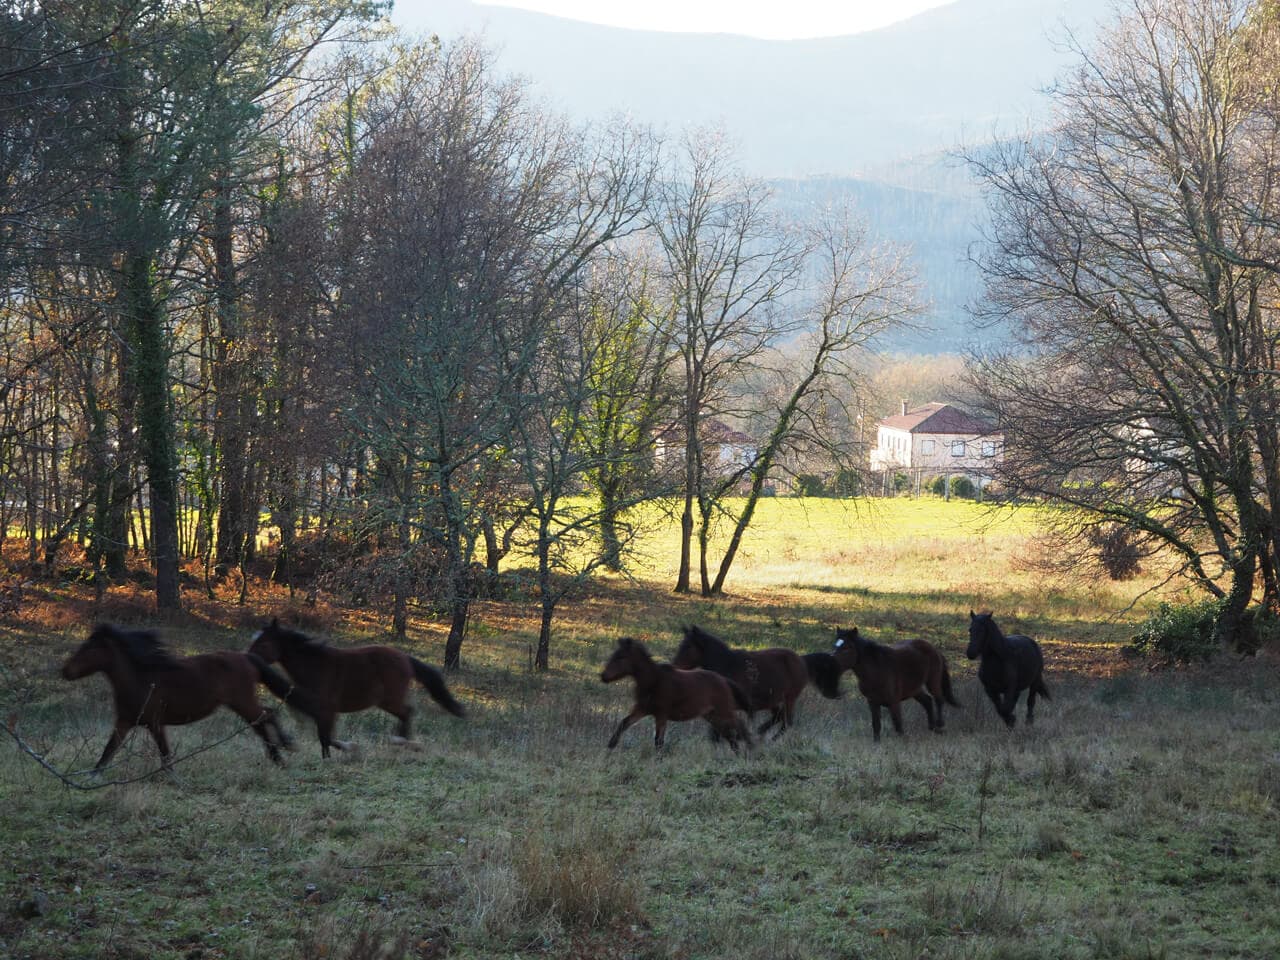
{"points": [[1186, 632]]}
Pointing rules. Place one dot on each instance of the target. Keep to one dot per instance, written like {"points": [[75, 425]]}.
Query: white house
{"points": [[937, 439]]}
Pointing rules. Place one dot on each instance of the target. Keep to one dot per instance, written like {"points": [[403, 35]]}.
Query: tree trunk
{"points": [[149, 377]]}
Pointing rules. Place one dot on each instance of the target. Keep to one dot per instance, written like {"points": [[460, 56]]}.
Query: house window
{"points": [[988, 448], [957, 448], [926, 446]]}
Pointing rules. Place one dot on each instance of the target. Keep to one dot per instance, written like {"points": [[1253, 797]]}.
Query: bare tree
{"points": [[1124, 256], [729, 266]]}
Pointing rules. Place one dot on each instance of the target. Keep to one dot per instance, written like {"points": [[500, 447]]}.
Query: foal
{"points": [[152, 688], [889, 675], [665, 693], [344, 681], [1008, 666]]}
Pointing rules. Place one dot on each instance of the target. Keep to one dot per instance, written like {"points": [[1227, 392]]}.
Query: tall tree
{"points": [[1127, 254]]}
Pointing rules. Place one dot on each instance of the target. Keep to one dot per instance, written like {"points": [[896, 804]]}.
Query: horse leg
{"points": [[875, 721], [1011, 706], [659, 731], [926, 701], [997, 702], [632, 717], [775, 716], [895, 714], [1031, 704], [113, 744], [262, 720], [324, 729], [404, 715], [162, 741]]}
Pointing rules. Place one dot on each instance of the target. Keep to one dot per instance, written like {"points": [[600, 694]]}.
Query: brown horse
{"points": [[889, 675], [154, 689], [773, 679], [345, 681], [665, 693]]}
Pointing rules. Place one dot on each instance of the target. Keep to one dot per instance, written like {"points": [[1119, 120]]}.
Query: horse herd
{"points": [[708, 679]]}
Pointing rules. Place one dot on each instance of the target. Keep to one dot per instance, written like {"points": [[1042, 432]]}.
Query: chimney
{"points": [[904, 406]]}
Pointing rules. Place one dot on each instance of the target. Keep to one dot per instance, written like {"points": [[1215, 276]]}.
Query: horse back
{"points": [[773, 675], [193, 687], [688, 694]]}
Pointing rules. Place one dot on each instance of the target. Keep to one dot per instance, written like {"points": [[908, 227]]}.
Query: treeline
{"points": [[265, 267]]}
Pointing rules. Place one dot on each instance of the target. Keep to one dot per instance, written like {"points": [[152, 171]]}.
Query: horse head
{"points": [[622, 662], [268, 643], [848, 647], [984, 635], [692, 652], [92, 656]]}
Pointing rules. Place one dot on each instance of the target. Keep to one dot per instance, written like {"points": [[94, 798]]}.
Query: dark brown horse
{"points": [[345, 681], [1008, 666], [889, 675], [666, 694], [773, 679], [154, 689]]}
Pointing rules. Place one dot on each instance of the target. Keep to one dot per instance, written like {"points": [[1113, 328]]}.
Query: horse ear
{"points": [[275, 623], [972, 615]]}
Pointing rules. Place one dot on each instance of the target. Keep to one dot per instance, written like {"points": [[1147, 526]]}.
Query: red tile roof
{"points": [[937, 418]]}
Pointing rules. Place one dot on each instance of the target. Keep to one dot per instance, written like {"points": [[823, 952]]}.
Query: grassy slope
{"points": [[1137, 819]]}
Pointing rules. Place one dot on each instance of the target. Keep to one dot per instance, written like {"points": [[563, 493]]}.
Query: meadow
{"points": [[1137, 819]]}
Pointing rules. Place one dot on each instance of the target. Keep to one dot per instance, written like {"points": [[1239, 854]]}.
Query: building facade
{"points": [[937, 439]]}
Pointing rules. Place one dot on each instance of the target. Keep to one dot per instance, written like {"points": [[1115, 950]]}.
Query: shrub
{"points": [[809, 485], [1180, 634], [1117, 550], [961, 486], [847, 483]]}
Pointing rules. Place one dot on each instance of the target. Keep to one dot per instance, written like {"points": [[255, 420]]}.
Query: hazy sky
{"points": [[775, 19]]}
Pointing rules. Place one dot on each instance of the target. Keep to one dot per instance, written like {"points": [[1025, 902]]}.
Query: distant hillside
{"points": [[840, 105], [936, 227], [871, 116]]}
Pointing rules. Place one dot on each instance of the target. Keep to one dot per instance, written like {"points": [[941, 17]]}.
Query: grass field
{"points": [[1139, 818]]}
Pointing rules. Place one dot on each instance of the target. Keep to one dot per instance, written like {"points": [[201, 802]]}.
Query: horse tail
{"points": [[824, 673], [1041, 688], [286, 690], [739, 696], [430, 678], [946, 686]]}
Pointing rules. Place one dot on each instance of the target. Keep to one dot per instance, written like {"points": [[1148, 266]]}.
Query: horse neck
{"points": [[995, 643], [643, 668], [719, 657], [303, 659], [129, 682]]}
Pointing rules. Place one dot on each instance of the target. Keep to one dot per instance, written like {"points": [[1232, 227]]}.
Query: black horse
{"points": [[824, 673], [1009, 665]]}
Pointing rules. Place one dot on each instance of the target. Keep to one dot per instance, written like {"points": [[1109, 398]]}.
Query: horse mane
{"points": [[296, 639], [717, 655], [142, 648]]}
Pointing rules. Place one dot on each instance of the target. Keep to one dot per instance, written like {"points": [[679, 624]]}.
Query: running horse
{"points": [[1008, 665], [346, 681], [888, 675], [666, 694], [773, 679], [154, 689]]}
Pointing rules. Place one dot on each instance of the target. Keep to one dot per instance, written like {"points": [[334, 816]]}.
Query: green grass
{"points": [[1138, 819]]}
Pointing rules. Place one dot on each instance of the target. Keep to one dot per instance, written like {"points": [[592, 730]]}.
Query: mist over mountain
{"points": [[871, 115]]}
